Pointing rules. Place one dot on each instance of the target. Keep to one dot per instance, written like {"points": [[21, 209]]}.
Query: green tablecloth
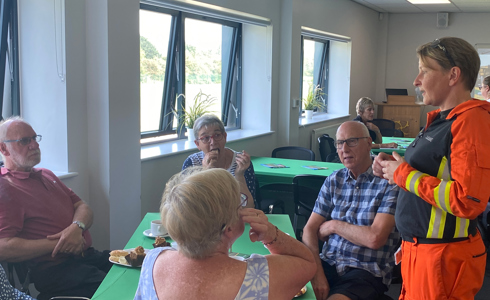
{"points": [[267, 175], [403, 143], [121, 282]]}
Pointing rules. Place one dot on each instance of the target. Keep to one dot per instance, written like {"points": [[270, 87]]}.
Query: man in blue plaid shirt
{"points": [[354, 216]]}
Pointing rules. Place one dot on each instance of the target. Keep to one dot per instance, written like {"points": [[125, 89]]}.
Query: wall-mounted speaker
{"points": [[442, 20]]}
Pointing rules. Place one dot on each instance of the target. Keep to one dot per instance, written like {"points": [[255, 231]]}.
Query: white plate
{"points": [[127, 250], [150, 235], [303, 291], [240, 258]]}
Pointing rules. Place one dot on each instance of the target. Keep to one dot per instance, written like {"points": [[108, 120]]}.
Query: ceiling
{"points": [[403, 6]]}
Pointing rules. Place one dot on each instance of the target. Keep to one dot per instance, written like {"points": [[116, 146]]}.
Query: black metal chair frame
{"points": [[305, 196], [268, 205], [387, 128], [23, 276], [293, 152], [327, 151]]}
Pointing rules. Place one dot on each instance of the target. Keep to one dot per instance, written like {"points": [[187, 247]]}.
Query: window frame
{"points": [[10, 28], [322, 80], [175, 73]]}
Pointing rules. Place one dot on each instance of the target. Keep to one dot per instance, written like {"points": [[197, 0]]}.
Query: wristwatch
{"points": [[80, 225]]}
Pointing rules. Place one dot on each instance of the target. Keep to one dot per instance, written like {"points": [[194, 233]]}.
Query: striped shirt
{"points": [[357, 202]]}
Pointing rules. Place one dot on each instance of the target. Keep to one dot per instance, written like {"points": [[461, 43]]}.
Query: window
{"points": [[314, 70], [187, 54], [9, 60], [484, 51], [325, 66]]}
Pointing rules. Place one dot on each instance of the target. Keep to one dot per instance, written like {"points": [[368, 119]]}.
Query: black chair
{"points": [[328, 152], [398, 133], [386, 127], [305, 190], [293, 152], [269, 203], [23, 276]]}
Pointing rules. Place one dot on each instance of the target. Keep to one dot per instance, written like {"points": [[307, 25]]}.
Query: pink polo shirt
{"points": [[35, 204]]}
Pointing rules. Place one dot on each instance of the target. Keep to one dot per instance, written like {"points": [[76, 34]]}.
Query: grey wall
{"points": [[407, 31]]}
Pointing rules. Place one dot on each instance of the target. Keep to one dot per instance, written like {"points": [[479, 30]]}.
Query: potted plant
{"points": [[201, 106], [313, 100]]}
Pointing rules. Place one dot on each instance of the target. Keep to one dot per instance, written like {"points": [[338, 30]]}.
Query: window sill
{"points": [[65, 175], [320, 117], [153, 151]]}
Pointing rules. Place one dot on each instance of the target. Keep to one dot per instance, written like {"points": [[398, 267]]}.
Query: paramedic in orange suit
{"points": [[443, 178]]}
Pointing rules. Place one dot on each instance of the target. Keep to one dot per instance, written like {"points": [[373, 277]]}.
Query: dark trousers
{"points": [[357, 284], [79, 276]]}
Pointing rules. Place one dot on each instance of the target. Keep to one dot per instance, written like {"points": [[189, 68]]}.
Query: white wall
{"points": [[408, 31], [346, 18]]}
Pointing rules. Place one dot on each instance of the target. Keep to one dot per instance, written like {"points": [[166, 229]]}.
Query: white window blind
{"points": [[323, 35], [211, 11]]}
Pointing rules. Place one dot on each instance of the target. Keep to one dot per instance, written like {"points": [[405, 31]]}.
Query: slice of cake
{"points": [[160, 242], [136, 256]]}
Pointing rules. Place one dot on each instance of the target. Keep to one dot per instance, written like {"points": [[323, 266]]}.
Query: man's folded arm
{"points": [[374, 236], [83, 213], [14, 249]]}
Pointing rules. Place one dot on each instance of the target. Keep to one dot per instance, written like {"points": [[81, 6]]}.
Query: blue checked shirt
{"points": [[357, 202]]}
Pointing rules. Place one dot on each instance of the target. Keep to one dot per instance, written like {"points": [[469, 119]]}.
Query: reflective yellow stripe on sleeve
{"points": [[413, 180]]}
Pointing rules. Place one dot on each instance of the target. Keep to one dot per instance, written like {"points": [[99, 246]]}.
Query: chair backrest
{"points": [[386, 127], [326, 146], [305, 190], [23, 276], [293, 152], [384, 124], [398, 133]]}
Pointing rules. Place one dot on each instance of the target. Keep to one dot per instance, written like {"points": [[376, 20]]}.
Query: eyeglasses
{"points": [[207, 138], [437, 44], [243, 204], [352, 142], [26, 140], [243, 200]]}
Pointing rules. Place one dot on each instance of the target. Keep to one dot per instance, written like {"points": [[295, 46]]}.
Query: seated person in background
{"points": [[7, 292], [204, 213], [43, 222], [485, 88], [365, 115], [210, 140], [354, 216]]}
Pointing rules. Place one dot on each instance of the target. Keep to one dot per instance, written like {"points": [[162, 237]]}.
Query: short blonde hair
{"points": [[363, 103], [197, 205], [463, 54]]}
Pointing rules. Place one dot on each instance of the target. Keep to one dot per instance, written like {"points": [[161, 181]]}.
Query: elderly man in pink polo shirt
{"points": [[43, 222]]}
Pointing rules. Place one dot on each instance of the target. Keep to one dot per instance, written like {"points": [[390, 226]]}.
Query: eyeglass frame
{"points": [[23, 140], [243, 200], [356, 139], [209, 137], [243, 204], [438, 44]]}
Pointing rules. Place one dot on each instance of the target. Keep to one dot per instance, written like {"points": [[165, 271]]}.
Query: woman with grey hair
{"points": [[204, 213], [210, 139], [365, 115]]}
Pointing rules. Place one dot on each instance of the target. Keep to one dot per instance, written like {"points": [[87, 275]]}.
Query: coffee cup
{"points": [[157, 229]]}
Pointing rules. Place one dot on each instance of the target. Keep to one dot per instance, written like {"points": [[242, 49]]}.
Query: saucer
{"points": [[150, 235]]}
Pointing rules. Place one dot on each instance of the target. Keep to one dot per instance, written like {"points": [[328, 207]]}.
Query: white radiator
{"points": [[331, 130]]}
